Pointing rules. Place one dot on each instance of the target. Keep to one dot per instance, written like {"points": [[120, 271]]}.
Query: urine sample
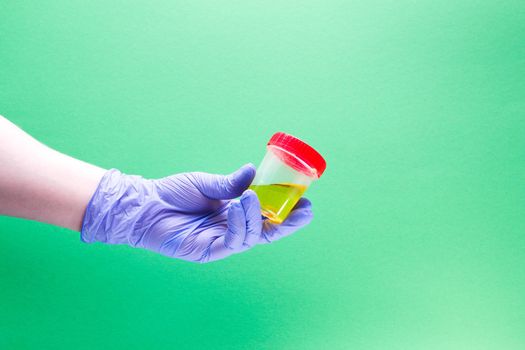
{"points": [[288, 168]]}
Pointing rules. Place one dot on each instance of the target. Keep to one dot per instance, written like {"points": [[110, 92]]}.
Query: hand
{"points": [[190, 216]]}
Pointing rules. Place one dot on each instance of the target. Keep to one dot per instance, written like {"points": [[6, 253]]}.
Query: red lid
{"points": [[299, 149]]}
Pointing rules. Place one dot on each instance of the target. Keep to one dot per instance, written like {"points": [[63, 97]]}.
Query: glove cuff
{"points": [[111, 212], [97, 209]]}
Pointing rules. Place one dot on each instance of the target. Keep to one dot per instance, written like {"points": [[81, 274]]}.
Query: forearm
{"points": [[41, 184]]}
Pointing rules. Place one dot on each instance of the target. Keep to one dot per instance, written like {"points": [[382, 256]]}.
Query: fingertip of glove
{"points": [[250, 166], [250, 201], [248, 195], [242, 177], [247, 171], [301, 217], [308, 212], [303, 203], [235, 208]]}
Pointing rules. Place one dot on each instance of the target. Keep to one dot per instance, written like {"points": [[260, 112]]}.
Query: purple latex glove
{"points": [[190, 216]]}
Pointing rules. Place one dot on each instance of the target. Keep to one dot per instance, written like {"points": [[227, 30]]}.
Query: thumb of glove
{"points": [[226, 186]]}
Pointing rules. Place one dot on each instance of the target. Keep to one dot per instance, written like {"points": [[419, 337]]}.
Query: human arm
{"points": [[39, 183], [191, 216]]}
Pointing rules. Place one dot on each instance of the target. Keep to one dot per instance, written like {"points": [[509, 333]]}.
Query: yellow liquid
{"points": [[277, 200]]}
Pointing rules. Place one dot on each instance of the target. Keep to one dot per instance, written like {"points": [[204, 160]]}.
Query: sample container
{"points": [[288, 168]]}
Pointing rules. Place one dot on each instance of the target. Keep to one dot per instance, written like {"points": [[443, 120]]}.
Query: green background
{"points": [[418, 240]]}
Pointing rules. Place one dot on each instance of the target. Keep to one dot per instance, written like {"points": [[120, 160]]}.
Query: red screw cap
{"points": [[299, 149]]}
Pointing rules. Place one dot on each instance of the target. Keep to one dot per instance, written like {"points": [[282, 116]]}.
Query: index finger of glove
{"points": [[252, 210], [232, 240]]}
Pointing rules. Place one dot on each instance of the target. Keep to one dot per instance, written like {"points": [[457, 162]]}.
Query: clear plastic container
{"points": [[288, 168]]}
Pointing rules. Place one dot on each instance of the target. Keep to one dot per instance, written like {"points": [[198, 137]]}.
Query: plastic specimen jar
{"points": [[288, 168]]}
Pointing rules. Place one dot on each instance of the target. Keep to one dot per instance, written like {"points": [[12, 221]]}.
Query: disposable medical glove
{"points": [[190, 216]]}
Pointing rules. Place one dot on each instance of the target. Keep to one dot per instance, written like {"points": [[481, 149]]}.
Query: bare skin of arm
{"points": [[41, 184]]}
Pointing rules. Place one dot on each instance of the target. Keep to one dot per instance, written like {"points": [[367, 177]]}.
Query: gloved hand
{"points": [[189, 216]]}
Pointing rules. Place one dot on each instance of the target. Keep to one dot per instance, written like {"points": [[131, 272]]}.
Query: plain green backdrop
{"points": [[418, 240]]}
